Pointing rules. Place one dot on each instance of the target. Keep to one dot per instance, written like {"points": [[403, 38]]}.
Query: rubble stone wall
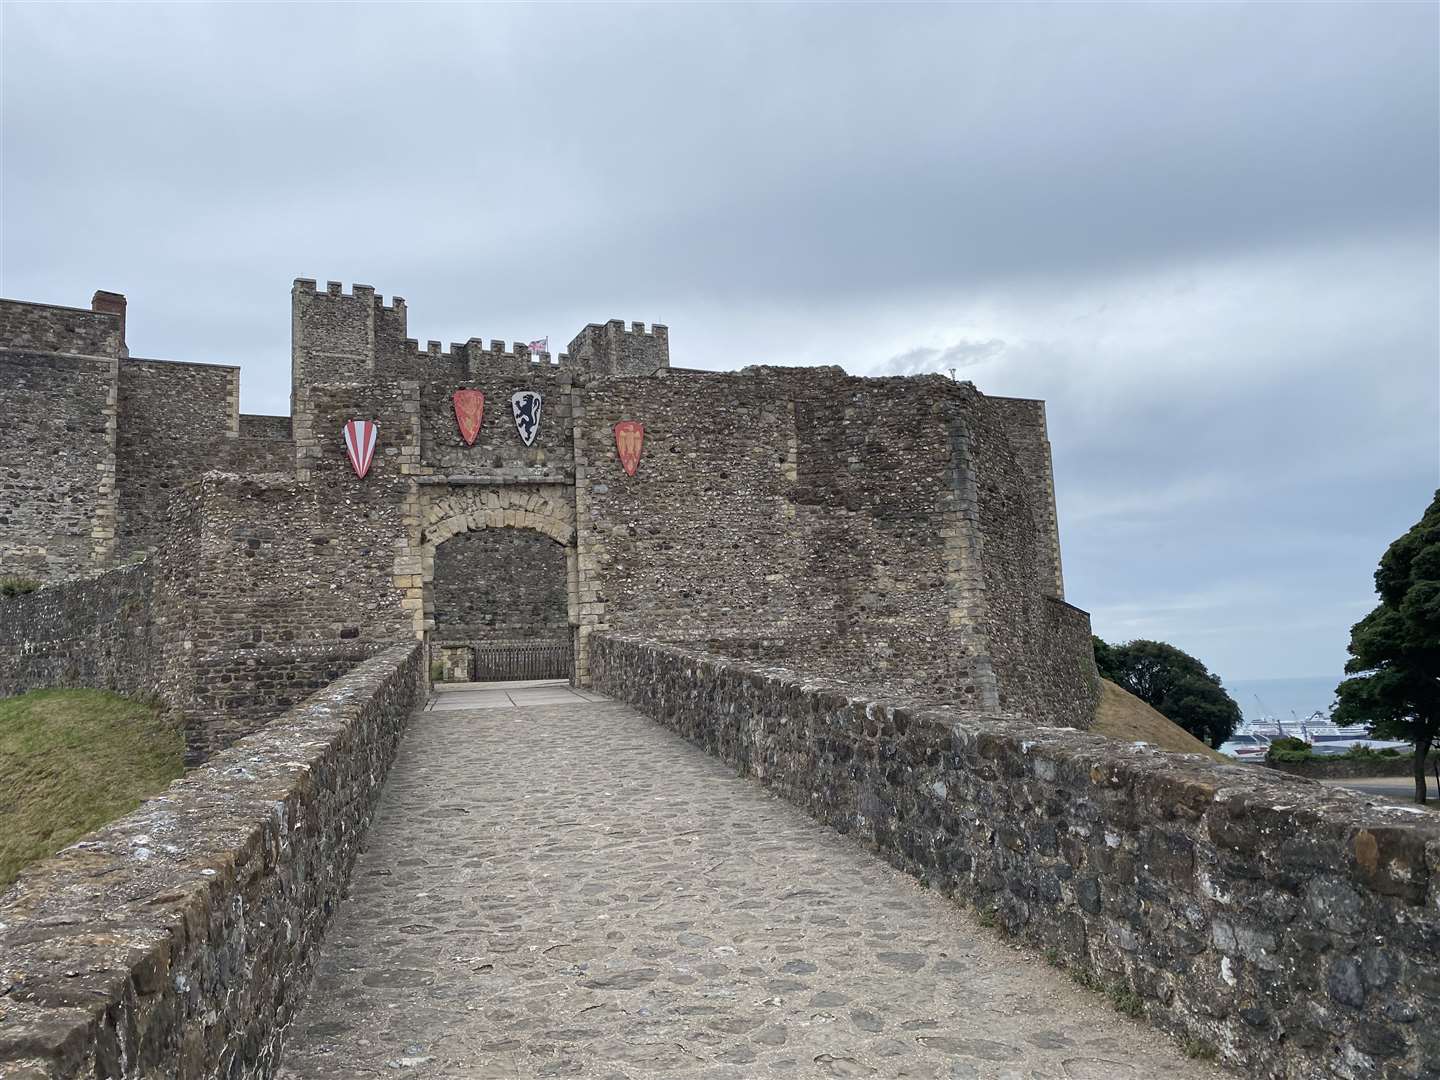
{"points": [[57, 462], [884, 529], [501, 585], [178, 420], [54, 329], [92, 632], [178, 940], [1294, 928]]}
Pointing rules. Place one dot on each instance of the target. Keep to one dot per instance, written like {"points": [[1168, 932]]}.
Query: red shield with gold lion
{"points": [[629, 436], [469, 408]]}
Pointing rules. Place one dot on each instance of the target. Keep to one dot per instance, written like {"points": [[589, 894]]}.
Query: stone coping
{"points": [[1291, 927], [176, 941]]}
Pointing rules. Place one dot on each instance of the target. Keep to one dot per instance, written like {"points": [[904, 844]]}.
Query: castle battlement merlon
{"points": [[475, 353], [610, 348], [337, 288]]}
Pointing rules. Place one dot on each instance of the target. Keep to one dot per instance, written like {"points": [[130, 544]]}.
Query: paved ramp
{"points": [[570, 890]]}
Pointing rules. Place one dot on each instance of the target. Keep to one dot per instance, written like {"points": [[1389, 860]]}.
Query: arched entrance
{"points": [[501, 607], [496, 593]]}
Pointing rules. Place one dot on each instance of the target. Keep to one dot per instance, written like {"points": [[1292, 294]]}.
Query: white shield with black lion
{"points": [[526, 406]]}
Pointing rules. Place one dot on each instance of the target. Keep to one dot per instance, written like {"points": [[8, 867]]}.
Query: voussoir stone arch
{"points": [[445, 512]]}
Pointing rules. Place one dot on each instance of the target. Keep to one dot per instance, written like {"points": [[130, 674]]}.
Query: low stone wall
{"points": [[238, 690], [1288, 925], [1343, 768], [87, 632], [177, 941]]}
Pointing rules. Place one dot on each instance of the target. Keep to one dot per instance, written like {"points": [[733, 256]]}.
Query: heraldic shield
{"points": [[360, 439], [629, 437], [526, 406], [469, 409]]}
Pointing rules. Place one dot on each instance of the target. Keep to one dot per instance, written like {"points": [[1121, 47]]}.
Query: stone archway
{"points": [[444, 511]]}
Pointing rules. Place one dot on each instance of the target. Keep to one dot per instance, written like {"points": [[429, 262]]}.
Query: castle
{"points": [[895, 536], [848, 589]]}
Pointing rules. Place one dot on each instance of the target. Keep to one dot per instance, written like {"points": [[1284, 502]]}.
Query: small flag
{"points": [[541, 346]]}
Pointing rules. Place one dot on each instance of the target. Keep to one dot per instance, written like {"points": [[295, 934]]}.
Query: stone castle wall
{"points": [[501, 585], [178, 419], [178, 940], [898, 533], [49, 328], [1290, 926], [57, 495], [92, 632]]}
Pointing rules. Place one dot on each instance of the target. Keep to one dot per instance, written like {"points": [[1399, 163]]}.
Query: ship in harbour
{"points": [[1252, 738]]}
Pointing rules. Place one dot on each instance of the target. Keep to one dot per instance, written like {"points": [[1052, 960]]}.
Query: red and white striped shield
{"points": [[360, 437]]}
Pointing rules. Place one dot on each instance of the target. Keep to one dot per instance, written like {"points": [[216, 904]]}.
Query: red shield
{"points": [[469, 408], [629, 436], [360, 439]]}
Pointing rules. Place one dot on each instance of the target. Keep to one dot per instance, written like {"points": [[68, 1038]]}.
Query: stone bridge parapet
{"points": [[1293, 928], [177, 940]]}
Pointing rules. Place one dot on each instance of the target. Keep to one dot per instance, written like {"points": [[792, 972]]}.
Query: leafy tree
{"points": [[1394, 665], [1174, 684], [1105, 659]]}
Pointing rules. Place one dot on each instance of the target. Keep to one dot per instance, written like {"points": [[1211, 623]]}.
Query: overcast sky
{"points": [[1206, 235]]}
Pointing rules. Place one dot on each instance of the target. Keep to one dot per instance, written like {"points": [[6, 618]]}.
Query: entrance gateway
{"points": [[501, 607]]}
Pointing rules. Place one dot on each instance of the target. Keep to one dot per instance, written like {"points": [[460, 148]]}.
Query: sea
{"points": [[1259, 698]]}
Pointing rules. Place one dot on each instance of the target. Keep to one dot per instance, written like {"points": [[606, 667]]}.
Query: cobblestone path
{"points": [[571, 890]]}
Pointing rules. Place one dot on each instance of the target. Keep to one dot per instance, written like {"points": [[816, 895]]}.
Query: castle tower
{"points": [[610, 349], [338, 336]]}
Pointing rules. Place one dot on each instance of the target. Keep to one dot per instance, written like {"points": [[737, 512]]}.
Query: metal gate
{"points": [[525, 660]]}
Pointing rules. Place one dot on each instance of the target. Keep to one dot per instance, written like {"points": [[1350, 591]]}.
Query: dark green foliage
{"points": [[17, 586], [1174, 684], [1394, 664], [1105, 660], [1288, 750]]}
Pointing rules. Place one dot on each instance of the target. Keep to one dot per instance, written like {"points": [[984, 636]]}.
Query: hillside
{"points": [[73, 760], [1122, 716]]}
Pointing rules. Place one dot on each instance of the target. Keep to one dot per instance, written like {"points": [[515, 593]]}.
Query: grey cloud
{"points": [[1204, 233], [923, 359]]}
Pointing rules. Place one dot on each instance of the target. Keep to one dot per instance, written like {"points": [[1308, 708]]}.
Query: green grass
{"points": [[17, 586], [1197, 1048], [73, 760]]}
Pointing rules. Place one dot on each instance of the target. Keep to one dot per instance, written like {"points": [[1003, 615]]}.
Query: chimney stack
{"points": [[112, 303]]}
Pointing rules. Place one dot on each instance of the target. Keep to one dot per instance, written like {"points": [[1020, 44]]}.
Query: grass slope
{"points": [[1122, 716], [71, 760]]}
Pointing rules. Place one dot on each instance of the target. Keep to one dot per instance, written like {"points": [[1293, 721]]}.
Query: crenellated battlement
{"points": [[611, 348], [309, 286], [475, 352], [340, 336]]}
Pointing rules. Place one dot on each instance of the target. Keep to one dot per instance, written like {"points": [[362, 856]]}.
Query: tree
{"points": [[1394, 665], [1105, 659], [1174, 684]]}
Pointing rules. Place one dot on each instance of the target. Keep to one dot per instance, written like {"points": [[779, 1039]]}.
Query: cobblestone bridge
{"points": [[555, 886]]}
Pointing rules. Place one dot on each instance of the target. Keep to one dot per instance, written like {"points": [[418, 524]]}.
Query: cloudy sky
{"points": [[1206, 235]]}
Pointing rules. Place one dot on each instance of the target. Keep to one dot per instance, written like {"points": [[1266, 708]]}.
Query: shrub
{"points": [[437, 672], [1289, 750], [17, 586]]}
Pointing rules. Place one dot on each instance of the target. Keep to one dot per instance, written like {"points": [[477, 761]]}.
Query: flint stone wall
{"points": [[1294, 927], [88, 632], [57, 464], [501, 585], [178, 420], [177, 941], [54, 329], [888, 531]]}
